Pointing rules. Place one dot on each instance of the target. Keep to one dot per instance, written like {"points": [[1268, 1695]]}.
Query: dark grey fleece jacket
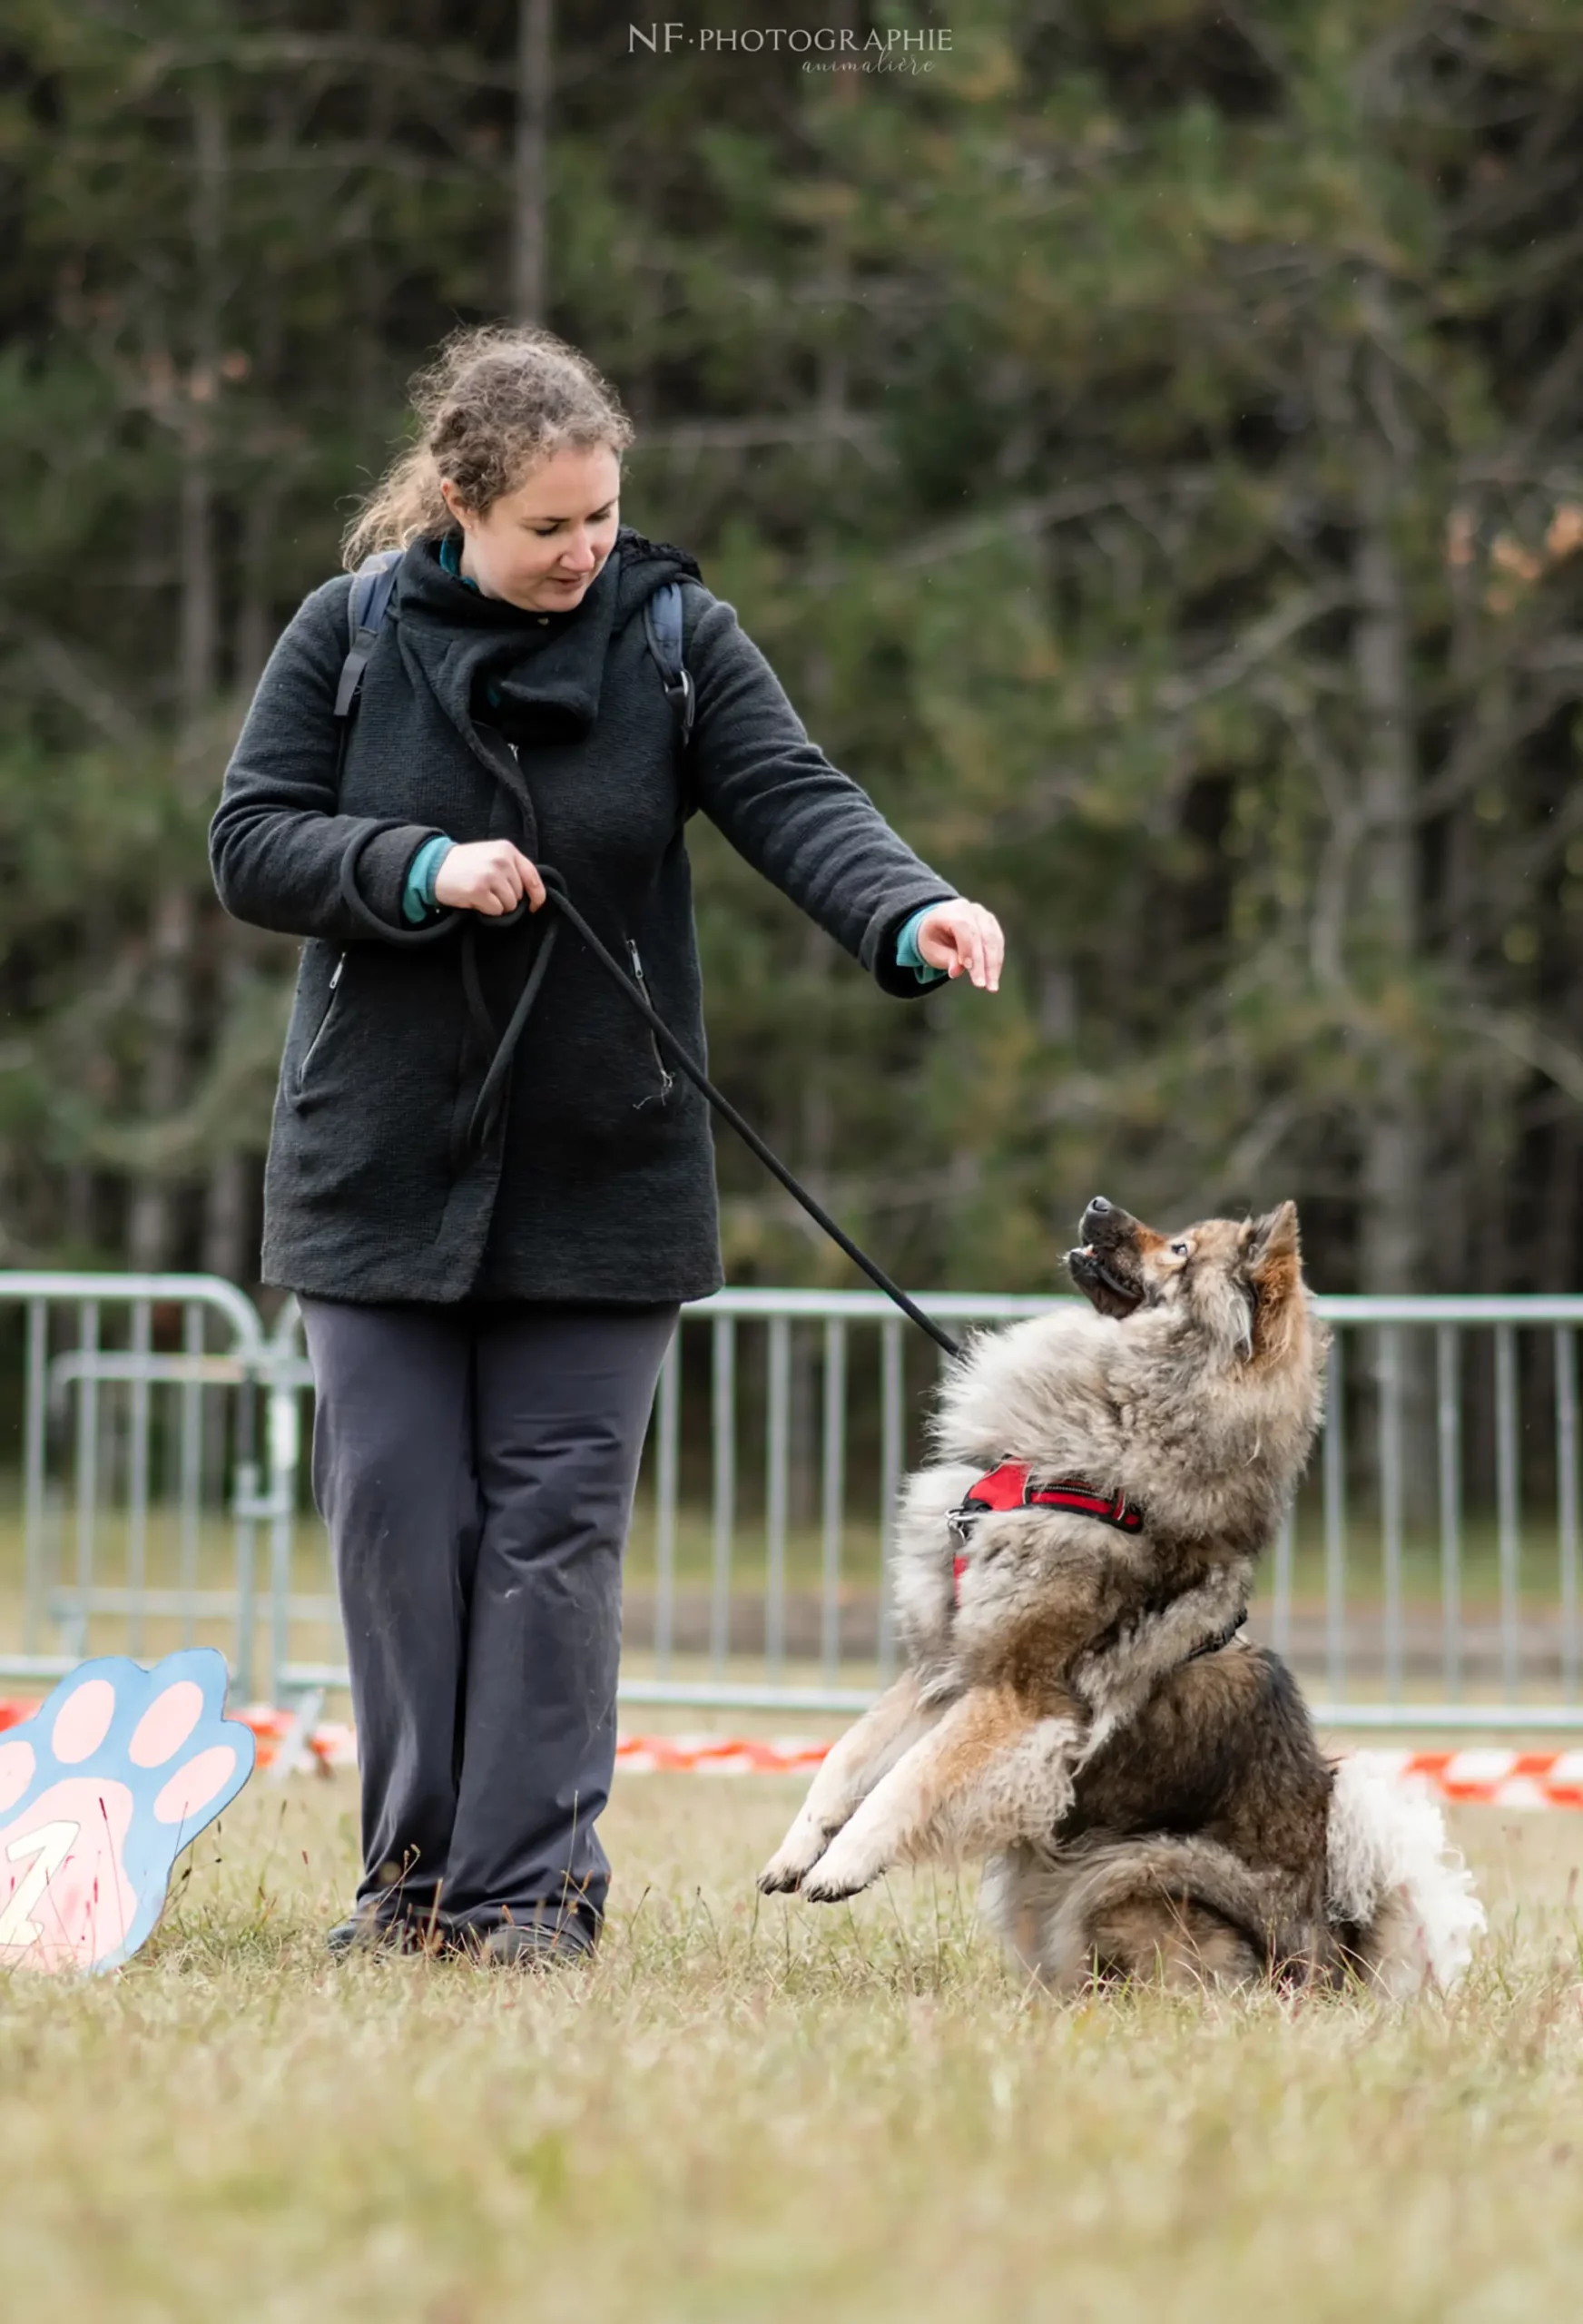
{"points": [[599, 1183]]}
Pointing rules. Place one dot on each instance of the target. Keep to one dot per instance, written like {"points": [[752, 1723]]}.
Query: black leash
{"points": [[486, 1112]]}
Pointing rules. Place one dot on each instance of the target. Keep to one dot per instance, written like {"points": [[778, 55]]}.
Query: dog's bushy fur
{"points": [[1141, 1812]]}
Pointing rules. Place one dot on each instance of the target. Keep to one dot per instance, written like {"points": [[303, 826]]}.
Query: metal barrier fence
{"points": [[79, 1442], [1426, 1577]]}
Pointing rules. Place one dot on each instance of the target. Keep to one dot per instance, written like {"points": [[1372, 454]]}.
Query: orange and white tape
{"points": [[1485, 1776], [718, 1755], [1489, 1777], [331, 1744]]}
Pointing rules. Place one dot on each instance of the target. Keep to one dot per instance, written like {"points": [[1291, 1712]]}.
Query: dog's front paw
{"points": [[838, 1874], [792, 1861]]}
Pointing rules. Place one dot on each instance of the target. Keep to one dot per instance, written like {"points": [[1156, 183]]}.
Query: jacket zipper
{"points": [[666, 1078], [335, 977]]}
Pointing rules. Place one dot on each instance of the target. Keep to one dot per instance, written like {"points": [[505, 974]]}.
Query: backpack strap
{"points": [[373, 585], [663, 627]]}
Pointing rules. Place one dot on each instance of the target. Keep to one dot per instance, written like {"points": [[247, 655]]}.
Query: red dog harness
{"points": [[1010, 1487]]}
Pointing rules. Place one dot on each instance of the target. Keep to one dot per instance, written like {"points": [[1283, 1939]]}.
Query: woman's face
{"points": [[542, 545]]}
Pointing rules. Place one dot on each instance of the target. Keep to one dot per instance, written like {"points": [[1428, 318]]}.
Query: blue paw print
{"points": [[100, 1791]]}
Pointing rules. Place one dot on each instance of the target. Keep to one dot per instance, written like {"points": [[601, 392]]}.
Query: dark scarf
{"points": [[535, 677]]}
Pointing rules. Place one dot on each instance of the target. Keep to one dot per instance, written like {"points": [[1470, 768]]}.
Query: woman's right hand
{"points": [[487, 875]]}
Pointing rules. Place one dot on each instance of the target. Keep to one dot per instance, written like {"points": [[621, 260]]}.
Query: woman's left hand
{"points": [[959, 935]]}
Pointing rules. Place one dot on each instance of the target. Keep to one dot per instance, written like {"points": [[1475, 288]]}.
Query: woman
{"points": [[490, 1266]]}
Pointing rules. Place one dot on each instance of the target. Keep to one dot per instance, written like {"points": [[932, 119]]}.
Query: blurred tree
{"points": [[1147, 444]]}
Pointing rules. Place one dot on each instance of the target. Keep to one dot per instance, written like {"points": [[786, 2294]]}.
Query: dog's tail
{"points": [[1050, 1913], [1398, 1895]]}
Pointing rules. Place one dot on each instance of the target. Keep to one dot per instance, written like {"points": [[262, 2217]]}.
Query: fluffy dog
{"points": [[1148, 1793]]}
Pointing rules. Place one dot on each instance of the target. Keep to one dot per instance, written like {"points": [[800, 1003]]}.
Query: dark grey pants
{"points": [[475, 1467]]}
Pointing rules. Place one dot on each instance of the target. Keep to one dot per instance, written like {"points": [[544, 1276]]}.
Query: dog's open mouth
{"points": [[1100, 1277]]}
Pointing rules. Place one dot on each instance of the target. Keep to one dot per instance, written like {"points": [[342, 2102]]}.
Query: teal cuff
{"points": [[418, 897], [908, 955]]}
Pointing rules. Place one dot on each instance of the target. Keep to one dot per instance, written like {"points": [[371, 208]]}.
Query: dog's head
{"points": [[1239, 1281]]}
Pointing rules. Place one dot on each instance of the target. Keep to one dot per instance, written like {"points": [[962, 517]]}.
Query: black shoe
{"points": [[532, 1946], [367, 1933]]}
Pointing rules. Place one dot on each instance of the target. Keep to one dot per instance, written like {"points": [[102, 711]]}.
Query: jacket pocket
{"points": [[665, 1079], [323, 1025]]}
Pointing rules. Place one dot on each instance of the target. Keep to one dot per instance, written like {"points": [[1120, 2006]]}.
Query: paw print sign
{"points": [[100, 1791]]}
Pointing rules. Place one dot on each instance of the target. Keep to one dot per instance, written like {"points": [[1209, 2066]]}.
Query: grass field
{"points": [[748, 2111]]}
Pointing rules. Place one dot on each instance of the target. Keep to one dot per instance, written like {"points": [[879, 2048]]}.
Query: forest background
{"points": [[1148, 442]]}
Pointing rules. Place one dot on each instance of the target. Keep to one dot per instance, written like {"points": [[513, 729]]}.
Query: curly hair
{"points": [[496, 404]]}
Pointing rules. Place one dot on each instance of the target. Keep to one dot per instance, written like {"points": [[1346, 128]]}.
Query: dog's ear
{"points": [[1272, 1239], [1272, 1264]]}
